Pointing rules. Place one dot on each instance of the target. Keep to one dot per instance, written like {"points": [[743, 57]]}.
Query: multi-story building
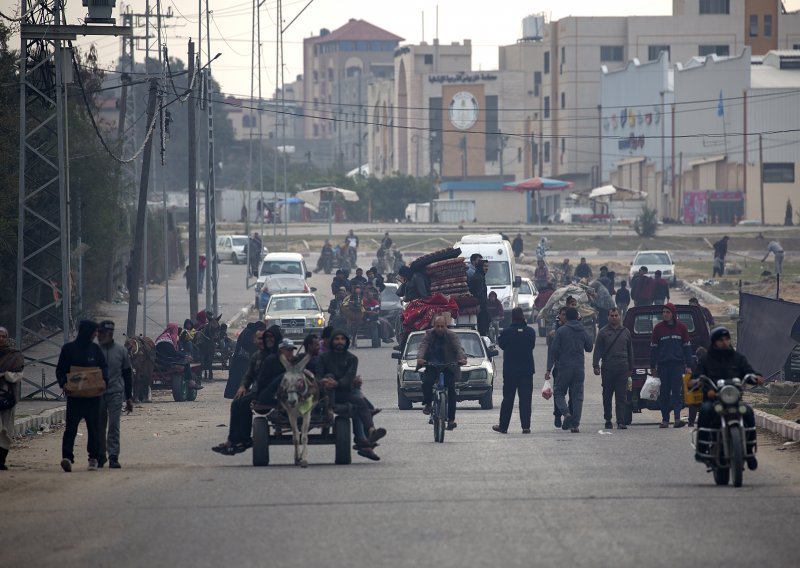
{"points": [[337, 68]]}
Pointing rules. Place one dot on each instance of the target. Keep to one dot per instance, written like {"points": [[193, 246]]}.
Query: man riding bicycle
{"points": [[442, 346], [496, 313]]}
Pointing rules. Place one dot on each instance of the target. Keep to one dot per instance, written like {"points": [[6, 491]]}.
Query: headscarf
{"points": [[202, 319], [170, 334], [10, 359]]}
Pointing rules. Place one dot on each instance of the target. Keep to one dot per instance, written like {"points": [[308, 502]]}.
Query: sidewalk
{"points": [[30, 414]]}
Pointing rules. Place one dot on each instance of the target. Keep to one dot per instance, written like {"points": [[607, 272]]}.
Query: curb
{"points": [[241, 314], [698, 292], [786, 428], [47, 417]]}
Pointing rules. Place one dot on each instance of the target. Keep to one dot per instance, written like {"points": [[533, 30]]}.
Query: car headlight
{"points": [[320, 322], [476, 375], [729, 395], [412, 376]]}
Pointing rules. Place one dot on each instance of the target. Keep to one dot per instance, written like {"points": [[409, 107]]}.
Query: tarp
{"points": [[764, 331], [538, 183], [312, 196], [607, 190]]}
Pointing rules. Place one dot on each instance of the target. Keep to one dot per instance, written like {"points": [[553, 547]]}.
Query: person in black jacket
{"points": [[517, 342], [478, 288], [246, 345], [83, 352], [723, 362]]}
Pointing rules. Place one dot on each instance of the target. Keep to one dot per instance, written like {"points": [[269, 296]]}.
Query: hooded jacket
{"points": [[256, 372], [669, 344], [340, 365], [83, 352], [517, 342], [724, 364], [568, 347]]}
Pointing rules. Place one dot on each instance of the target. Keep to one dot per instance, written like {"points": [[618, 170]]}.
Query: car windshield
{"points": [[240, 241], [280, 267], [499, 274], [293, 304], [471, 342], [644, 323], [390, 295], [525, 288], [647, 258]]}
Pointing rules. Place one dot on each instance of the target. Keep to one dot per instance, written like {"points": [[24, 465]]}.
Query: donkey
{"points": [[298, 395], [141, 351]]}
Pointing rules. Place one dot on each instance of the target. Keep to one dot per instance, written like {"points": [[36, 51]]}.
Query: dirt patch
{"points": [[792, 415]]}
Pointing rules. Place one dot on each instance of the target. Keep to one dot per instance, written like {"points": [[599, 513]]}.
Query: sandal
{"points": [[369, 454], [220, 448]]}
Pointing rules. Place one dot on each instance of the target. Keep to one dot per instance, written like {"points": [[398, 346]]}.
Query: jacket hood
{"points": [[346, 338], [575, 324], [85, 330], [275, 330], [671, 307]]}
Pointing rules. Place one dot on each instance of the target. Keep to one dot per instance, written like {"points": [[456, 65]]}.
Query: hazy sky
{"points": [[488, 24]]}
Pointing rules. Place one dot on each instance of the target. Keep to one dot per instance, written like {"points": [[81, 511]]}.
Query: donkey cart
{"points": [[271, 427], [172, 379]]}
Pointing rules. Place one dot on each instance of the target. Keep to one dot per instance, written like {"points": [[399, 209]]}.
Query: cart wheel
{"points": [[342, 430], [260, 441], [179, 388], [191, 394]]}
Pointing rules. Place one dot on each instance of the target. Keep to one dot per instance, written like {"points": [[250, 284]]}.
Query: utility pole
{"points": [[211, 221], [463, 145], [761, 174], [141, 211], [192, 184]]}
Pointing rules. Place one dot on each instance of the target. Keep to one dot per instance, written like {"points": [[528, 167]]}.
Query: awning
{"points": [[630, 161], [607, 190], [312, 196], [707, 160]]}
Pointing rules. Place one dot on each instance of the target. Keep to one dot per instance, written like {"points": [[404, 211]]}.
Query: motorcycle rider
{"points": [[339, 281], [723, 362]]}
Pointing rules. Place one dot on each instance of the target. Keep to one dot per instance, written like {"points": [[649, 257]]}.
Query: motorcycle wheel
{"points": [[737, 457], [721, 475]]}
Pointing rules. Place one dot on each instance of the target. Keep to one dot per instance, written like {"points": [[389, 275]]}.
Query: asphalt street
{"points": [[620, 498]]}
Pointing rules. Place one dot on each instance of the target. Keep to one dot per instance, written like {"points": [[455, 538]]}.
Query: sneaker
{"points": [[566, 422], [101, 462], [499, 430], [575, 430], [92, 465], [679, 423], [664, 425], [377, 434], [526, 430], [752, 463], [621, 427], [66, 465], [609, 425], [557, 423], [113, 463], [426, 409], [452, 425]]}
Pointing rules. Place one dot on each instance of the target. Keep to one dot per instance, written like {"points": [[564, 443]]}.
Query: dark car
{"points": [[392, 308], [640, 321]]}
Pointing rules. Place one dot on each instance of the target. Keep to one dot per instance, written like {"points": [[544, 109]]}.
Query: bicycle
{"points": [[439, 404], [494, 330]]}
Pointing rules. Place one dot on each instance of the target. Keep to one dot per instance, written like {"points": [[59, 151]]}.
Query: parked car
{"points": [[655, 260], [233, 248], [296, 314], [640, 322], [289, 264], [526, 296], [477, 376]]}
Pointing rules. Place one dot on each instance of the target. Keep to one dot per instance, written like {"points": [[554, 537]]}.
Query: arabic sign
{"points": [[632, 142], [462, 78]]}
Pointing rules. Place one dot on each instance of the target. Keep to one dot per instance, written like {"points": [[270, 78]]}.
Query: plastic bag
{"points": [[651, 388], [547, 390]]}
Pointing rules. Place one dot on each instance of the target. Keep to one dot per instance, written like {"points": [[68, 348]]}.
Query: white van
{"points": [[502, 276]]}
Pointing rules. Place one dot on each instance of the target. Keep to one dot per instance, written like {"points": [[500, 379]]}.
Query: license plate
{"points": [[293, 330]]}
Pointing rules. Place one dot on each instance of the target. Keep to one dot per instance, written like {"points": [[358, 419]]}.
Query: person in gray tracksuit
{"points": [[614, 347], [567, 352], [119, 382]]}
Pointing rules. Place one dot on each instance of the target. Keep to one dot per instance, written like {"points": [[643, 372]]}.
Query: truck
{"points": [[502, 277]]}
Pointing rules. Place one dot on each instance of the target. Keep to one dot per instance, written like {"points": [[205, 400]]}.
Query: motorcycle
{"points": [[724, 449], [327, 261]]}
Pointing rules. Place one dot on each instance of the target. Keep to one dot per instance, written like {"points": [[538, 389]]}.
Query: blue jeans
{"points": [[671, 395], [570, 381]]}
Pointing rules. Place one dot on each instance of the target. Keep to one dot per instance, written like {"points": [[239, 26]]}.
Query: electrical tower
{"points": [[44, 282]]}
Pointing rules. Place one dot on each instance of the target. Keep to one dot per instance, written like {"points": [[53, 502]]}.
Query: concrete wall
{"points": [[494, 206]]}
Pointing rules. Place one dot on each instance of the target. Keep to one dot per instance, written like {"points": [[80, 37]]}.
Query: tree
{"points": [[646, 224]]}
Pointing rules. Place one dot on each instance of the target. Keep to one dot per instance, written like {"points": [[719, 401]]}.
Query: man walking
{"points": [[120, 381], [83, 352], [660, 290], [567, 352], [614, 347], [352, 245], [473, 265], [642, 288], [479, 290], [720, 251], [776, 249], [254, 248], [670, 358], [440, 345], [517, 342], [517, 245]]}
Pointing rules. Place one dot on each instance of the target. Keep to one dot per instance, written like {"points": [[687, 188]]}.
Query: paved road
{"points": [[632, 498]]}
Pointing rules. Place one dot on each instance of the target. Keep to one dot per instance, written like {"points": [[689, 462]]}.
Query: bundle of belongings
{"points": [[420, 313]]}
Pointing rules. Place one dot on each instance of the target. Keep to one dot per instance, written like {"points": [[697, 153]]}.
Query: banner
{"points": [[764, 331]]}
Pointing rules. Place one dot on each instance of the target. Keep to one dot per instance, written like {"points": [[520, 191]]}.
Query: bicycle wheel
{"points": [[441, 419]]}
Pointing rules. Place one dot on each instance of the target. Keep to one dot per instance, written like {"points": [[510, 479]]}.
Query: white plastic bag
{"points": [[651, 388], [547, 390]]}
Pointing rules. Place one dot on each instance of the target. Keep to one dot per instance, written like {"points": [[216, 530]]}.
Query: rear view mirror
{"points": [[517, 281], [396, 355], [493, 353]]}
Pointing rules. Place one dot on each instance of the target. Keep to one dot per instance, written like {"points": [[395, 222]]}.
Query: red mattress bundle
{"points": [[419, 314], [448, 277]]}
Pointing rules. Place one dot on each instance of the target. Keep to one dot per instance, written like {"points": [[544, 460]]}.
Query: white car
{"points": [[526, 296], [296, 314], [477, 376], [289, 264], [232, 247], [655, 260]]}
